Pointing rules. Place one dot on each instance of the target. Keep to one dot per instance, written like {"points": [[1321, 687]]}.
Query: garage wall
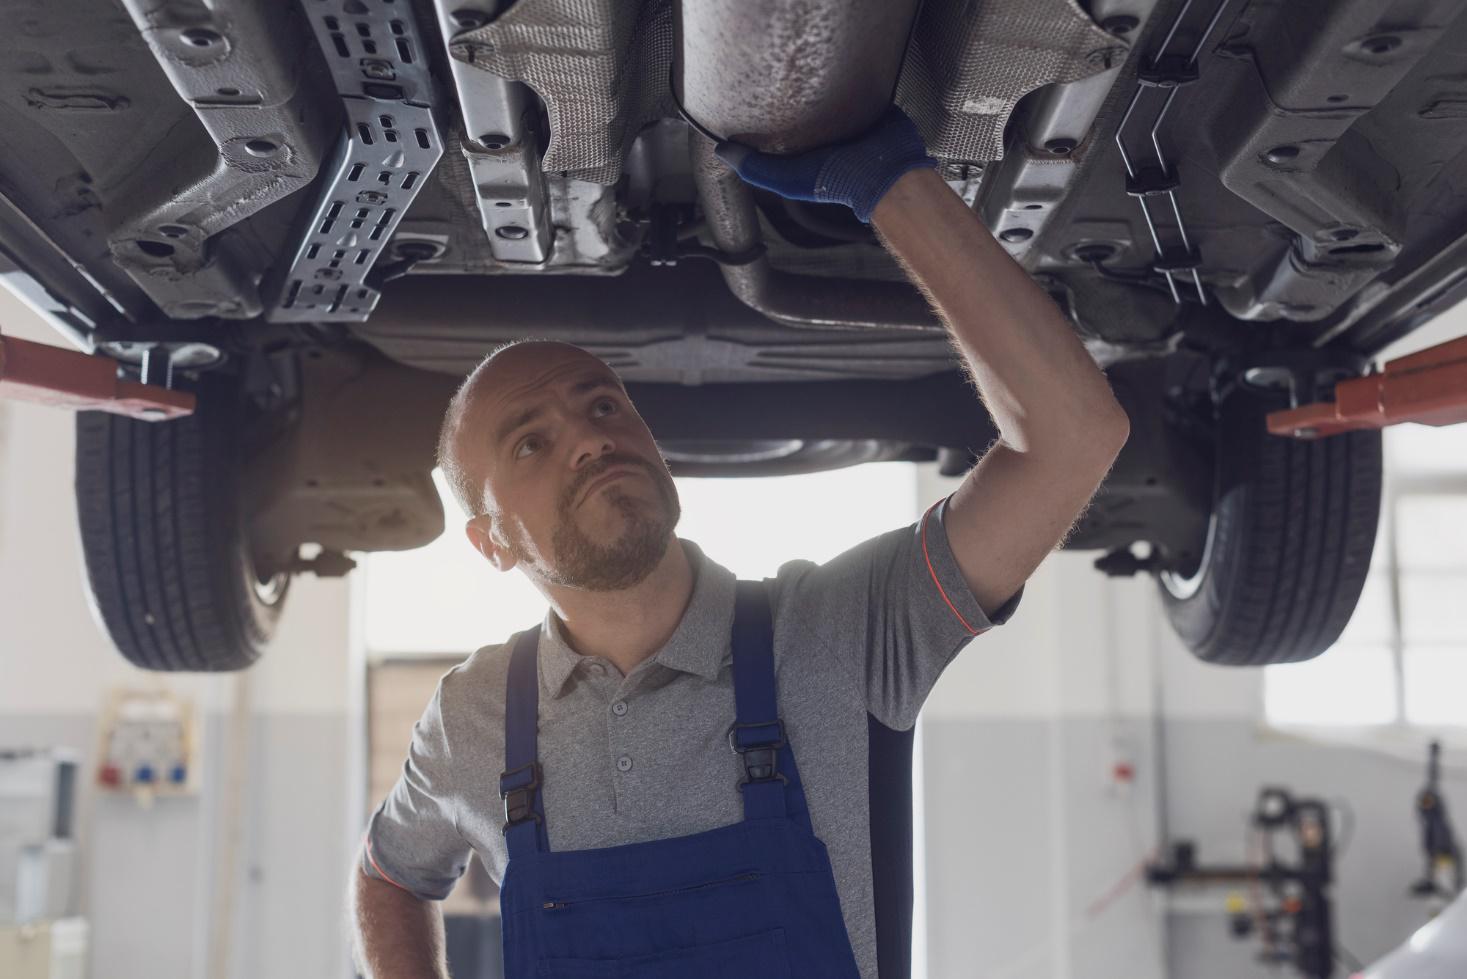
{"points": [[1033, 843], [148, 876]]}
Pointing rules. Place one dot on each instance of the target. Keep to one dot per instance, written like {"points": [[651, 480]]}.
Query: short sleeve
{"points": [[896, 608], [412, 839]]}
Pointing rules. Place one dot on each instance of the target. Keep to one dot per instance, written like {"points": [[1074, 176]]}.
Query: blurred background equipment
{"points": [[1289, 902], [1441, 880], [147, 744], [41, 936]]}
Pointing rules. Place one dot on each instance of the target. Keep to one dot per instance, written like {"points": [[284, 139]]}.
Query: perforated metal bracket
{"points": [[390, 147], [1168, 71], [500, 145]]}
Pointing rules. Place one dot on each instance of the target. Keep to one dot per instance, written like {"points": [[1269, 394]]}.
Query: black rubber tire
{"points": [[1292, 530], [162, 533]]}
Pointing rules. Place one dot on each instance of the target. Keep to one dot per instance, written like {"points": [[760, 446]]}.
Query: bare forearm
{"points": [[1038, 382], [398, 936]]}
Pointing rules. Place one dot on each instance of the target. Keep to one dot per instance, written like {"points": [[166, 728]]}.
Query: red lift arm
{"points": [[1429, 387], [71, 379]]}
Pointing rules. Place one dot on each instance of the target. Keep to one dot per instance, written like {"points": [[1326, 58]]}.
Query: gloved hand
{"points": [[855, 173]]}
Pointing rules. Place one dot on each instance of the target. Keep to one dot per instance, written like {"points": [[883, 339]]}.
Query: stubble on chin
{"points": [[583, 562]]}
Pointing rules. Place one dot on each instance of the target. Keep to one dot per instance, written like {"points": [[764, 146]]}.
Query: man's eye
{"points": [[604, 407], [530, 444]]}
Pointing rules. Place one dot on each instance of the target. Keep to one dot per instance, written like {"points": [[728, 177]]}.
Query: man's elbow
{"points": [[1100, 434], [1113, 428]]}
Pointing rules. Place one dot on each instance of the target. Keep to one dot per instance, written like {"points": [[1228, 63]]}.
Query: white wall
{"points": [[1033, 844], [148, 875]]}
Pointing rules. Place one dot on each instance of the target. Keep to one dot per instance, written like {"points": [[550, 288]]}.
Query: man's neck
{"points": [[626, 627]]}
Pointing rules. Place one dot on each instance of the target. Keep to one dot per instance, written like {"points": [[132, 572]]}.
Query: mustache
{"points": [[601, 467]]}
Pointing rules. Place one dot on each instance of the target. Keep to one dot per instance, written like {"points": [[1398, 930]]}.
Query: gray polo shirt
{"points": [[645, 756]]}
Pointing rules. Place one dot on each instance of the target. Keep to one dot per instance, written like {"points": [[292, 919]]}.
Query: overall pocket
{"points": [[760, 956]]}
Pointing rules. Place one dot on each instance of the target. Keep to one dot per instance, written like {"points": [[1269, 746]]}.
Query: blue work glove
{"points": [[855, 173]]}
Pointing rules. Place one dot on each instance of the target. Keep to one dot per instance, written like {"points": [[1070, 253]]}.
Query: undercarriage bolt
{"points": [[468, 19], [1060, 147], [1380, 44], [1016, 234], [1281, 154], [201, 37], [494, 141], [1120, 25], [512, 232]]}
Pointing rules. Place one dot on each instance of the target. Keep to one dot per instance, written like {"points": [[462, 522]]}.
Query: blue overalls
{"points": [[752, 900]]}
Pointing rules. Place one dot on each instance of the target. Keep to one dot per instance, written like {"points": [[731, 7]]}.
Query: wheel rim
{"points": [[270, 590], [1182, 587]]}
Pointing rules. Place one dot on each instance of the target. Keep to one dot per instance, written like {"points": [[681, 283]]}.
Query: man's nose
{"points": [[591, 443]]}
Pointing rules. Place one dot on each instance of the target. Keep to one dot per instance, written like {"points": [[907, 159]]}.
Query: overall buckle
{"points": [[757, 746], [519, 799]]}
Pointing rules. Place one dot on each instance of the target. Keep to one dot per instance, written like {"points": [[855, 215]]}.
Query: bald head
{"points": [[475, 409]]}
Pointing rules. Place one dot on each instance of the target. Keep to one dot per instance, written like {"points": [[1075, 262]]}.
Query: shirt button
{"points": [[619, 708], [624, 763], [596, 669]]}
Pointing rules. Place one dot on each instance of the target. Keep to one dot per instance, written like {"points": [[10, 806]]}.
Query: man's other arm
{"points": [[1060, 426], [396, 935]]}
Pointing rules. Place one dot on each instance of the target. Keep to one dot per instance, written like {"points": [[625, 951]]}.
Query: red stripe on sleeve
{"points": [[933, 571], [367, 845]]}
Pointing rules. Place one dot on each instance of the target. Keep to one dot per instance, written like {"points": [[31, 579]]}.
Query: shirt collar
{"points": [[700, 644]]}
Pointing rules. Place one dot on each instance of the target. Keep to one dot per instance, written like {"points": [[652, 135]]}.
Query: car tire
{"points": [[163, 536], [1288, 544]]}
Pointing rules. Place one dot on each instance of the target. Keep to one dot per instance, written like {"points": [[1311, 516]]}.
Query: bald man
{"points": [[587, 761]]}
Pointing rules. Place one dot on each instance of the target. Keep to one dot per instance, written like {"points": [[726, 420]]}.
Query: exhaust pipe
{"points": [[785, 76], [794, 300]]}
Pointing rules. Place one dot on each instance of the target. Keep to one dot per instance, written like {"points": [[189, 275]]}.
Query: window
{"points": [[446, 599], [1403, 656]]}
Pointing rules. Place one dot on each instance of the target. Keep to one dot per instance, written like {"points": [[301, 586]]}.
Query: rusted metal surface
{"points": [[61, 378], [1429, 387], [787, 76]]}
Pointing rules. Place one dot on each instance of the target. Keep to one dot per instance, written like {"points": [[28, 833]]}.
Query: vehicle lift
{"points": [[48, 375], [1429, 387]]}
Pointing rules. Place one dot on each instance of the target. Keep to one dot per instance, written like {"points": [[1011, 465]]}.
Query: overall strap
{"points": [[519, 785], [771, 785]]}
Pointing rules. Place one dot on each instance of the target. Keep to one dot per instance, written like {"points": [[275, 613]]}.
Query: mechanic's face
{"points": [[577, 493]]}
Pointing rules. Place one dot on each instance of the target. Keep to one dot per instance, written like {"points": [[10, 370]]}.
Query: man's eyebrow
{"points": [[518, 421], [594, 382]]}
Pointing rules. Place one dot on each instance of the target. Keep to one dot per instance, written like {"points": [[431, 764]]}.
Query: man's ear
{"points": [[480, 531]]}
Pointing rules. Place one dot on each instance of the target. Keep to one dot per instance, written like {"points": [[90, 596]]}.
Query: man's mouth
{"points": [[606, 478]]}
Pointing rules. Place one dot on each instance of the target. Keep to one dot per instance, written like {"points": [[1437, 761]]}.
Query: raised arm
{"points": [[1059, 424]]}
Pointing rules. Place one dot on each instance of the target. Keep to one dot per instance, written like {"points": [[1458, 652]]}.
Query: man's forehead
{"points": [[529, 372]]}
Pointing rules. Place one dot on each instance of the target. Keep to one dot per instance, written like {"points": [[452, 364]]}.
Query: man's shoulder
{"points": [[801, 580], [475, 687]]}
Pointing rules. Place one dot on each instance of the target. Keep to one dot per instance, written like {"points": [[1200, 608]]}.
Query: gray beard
{"points": [[593, 566], [590, 565]]}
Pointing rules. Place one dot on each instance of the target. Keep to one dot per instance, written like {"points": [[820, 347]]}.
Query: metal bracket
{"points": [[1169, 72], [500, 145], [391, 145]]}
